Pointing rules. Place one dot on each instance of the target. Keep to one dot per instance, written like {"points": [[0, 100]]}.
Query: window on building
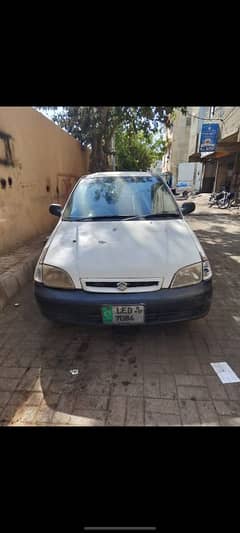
{"points": [[188, 121], [6, 157], [197, 142]]}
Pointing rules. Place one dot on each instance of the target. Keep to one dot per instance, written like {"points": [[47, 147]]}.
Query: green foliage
{"points": [[136, 152], [94, 127]]}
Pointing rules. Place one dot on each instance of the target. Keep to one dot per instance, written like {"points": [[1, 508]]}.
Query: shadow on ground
{"points": [[115, 376]]}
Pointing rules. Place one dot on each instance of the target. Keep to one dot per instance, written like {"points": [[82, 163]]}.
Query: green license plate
{"points": [[123, 314]]}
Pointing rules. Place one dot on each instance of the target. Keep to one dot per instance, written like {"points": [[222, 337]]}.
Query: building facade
{"points": [[183, 138], [221, 168]]}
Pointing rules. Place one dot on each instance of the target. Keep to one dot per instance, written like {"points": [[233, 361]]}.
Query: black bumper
{"points": [[164, 306]]}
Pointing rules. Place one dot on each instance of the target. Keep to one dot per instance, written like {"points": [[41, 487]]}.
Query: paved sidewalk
{"points": [[153, 376], [17, 267], [202, 208]]}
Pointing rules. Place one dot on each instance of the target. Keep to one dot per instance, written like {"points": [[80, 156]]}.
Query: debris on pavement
{"points": [[74, 371], [225, 373]]}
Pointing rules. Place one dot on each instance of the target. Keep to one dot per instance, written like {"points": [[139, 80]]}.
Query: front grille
{"points": [[112, 285], [129, 284]]}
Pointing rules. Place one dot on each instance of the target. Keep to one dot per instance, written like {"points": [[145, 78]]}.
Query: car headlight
{"points": [[56, 277], [189, 275], [38, 269], [207, 271], [38, 273]]}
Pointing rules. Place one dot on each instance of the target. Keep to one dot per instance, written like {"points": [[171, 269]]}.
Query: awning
{"points": [[200, 157], [231, 147], [224, 148], [216, 155], [195, 158]]}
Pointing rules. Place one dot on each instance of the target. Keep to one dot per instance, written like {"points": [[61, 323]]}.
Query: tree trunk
{"points": [[100, 159]]}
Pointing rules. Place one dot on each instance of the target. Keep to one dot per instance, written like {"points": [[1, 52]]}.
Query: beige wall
{"points": [[166, 160], [180, 142], [183, 138], [46, 164], [186, 131], [194, 130], [231, 120]]}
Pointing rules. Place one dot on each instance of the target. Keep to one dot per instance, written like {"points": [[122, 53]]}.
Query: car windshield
{"points": [[120, 197]]}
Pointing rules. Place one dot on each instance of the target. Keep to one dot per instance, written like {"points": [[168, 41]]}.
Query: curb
{"points": [[16, 277]]}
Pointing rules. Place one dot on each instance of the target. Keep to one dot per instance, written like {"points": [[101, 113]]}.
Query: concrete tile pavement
{"points": [[16, 268], [154, 376]]}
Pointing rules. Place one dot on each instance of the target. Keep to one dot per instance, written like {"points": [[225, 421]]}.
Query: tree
{"points": [[135, 152], [94, 127]]}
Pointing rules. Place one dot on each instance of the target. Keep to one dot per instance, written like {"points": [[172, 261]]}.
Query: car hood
{"points": [[118, 249]]}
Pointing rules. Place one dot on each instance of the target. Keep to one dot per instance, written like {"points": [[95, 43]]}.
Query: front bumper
{"points": [[164, 306]]}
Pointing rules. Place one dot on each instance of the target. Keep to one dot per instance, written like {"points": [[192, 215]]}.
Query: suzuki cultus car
{"points": [[122, 253]]}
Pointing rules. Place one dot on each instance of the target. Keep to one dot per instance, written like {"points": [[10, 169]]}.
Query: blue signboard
{"points": [[209, 137]]}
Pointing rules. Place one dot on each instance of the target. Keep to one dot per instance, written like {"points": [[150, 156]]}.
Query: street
{"points": [[152, 376]]}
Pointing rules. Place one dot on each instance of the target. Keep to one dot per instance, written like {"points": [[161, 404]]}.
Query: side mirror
{"points": [[55, 209], [188, 207]]}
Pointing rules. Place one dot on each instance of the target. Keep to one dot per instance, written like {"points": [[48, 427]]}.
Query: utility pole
{"points": [[113, 150], [113, 153], [216, 176]]}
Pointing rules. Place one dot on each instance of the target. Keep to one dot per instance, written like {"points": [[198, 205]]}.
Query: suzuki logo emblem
{"points": [[122, 285]]}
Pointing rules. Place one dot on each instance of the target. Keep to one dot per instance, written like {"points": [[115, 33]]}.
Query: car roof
{"points": [[115, 174]]}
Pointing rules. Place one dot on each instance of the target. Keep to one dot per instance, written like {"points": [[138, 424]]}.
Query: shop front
{"points": [[221, 168]]}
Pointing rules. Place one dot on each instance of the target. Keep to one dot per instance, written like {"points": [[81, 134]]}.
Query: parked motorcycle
{"points": [[222, 199], [214, 198], [226, 200]]}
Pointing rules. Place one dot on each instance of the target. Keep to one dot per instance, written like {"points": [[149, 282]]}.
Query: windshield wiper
{"points": [[83, 219], [153, 215], [162, 215], [122, 217]]}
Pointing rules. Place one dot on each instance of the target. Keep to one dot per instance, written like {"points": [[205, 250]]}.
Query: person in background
{"points": [[169, 180]]}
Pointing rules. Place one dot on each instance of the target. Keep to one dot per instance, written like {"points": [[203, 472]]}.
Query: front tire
{"points": [[223, 204]]}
